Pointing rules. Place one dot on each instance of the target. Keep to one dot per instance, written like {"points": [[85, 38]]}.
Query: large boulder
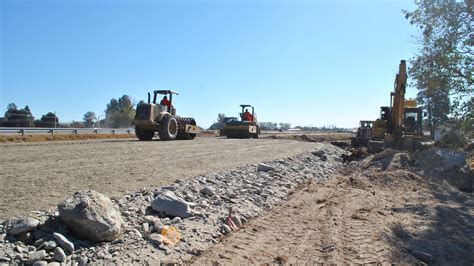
{"points": [[171, 205], [92, 216]]}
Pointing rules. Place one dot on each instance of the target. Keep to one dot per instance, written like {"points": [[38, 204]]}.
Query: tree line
{"points": [[442, 70], [119, 113]]}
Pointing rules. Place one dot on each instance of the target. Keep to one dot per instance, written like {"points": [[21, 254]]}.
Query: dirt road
{"points": [[380, 217], [35, 176]]}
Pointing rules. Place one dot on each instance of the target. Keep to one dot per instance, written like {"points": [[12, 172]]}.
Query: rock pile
{"points": [[202, 209]]}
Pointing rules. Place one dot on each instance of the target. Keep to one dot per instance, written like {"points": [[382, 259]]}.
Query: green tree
{"points": [[48, 120], [11, 107], [120, 112], [443, 67], [89, 119], [433, 91], [18, 117], [285, 126], [268, 126]]}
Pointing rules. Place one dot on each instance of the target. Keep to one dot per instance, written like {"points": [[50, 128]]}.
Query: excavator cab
{"points": [[413, 121]]}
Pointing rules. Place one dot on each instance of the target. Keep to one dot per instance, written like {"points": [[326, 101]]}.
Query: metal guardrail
{"points": [[63, 131]]}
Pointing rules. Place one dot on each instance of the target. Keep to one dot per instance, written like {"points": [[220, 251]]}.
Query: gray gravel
{"points": [[244, 190]]}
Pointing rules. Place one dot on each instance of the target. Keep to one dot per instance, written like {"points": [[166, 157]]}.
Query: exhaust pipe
{"points": [[154, 99], [149, 97]]}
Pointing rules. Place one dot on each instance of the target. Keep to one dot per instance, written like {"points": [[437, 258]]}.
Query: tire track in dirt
{"points": [[317, 225], [358, 217]]}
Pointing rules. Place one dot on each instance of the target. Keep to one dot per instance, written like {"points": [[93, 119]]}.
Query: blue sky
{"points": [[304, 62]]}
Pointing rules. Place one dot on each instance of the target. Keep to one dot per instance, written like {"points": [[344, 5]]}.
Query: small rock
{"points": [[54, 263], [160, 227], [324, 157], [50, 245], [37, 256], [170, 204], [19, 249], [138, 234], [40, 263], [225, 229], [237, 221], [23, 225], [40, 243], [64, 242], [261, 167], [176, 220], [157, 239], [59, 254], [423, 256], [82, 261], [26, 238], [318, 153], [40, 234], [208, 190], [145, 228]]}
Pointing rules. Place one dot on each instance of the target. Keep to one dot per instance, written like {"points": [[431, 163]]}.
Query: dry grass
{"points": [[41, 138]]}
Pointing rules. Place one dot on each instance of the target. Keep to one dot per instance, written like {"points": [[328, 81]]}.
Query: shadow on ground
{"points": [[443, 233]]}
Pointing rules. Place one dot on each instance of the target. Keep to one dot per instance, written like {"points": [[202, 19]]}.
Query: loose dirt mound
{"points": [[376, 215]]}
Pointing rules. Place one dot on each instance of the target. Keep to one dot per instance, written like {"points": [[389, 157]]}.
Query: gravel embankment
{"points": [[249, 192]]}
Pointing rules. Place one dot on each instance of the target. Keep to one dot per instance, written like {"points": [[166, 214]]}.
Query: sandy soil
{"points": [[36, 176], [358, 218]]}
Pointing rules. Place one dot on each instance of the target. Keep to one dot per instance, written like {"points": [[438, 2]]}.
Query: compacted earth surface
{"points": [[309, 205], [366, 213], [36, 176], [245, 192]]}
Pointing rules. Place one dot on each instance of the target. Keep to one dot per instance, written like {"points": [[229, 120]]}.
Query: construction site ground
{"points": [[379, 209], [361, 215], [37, 176]]}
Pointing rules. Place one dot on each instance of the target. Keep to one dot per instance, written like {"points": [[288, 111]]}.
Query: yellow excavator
{"points": [[400, 125]]}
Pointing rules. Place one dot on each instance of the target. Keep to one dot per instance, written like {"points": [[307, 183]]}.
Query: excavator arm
{"points": [[398, 97]]}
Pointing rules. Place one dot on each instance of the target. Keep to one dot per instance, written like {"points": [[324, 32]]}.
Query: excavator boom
{"points": [[399, 99]]}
